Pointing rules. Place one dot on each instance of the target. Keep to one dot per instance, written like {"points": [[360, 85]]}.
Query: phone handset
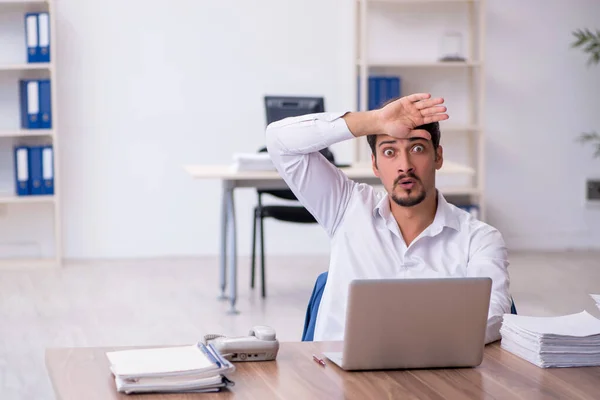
{"points": [[261, 344]]}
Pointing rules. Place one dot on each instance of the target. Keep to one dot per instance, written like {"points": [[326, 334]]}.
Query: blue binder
{"points": [[29, 96], [32, 38], [47, 170], [22, 170], [393, 87], [373, 93], [383, 95], [44, 37], [45, 104], [35, 170]]}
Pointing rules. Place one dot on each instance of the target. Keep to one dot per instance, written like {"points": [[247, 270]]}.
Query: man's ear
{"points": [[374, 165], [439, 157]]}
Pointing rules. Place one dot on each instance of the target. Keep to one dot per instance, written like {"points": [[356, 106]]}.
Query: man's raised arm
{"points": [[293, 144]]}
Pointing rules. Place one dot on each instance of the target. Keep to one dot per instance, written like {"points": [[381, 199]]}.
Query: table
{"points": [[83, 373], [266, 180], [270, 180]]}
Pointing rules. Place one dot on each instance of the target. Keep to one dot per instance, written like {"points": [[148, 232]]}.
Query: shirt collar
{"points": [[444, 215]]}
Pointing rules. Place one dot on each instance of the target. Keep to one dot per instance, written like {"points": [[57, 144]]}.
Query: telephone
{"points": [[260, 345]]}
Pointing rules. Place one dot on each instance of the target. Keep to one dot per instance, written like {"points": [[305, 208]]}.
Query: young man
{"points": [[410, 231]]}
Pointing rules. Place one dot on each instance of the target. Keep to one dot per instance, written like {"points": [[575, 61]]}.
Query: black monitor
{"points": [[280, 107]]}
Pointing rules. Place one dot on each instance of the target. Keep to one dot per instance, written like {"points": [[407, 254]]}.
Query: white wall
{"points": [[540, 93], [148, 86]]}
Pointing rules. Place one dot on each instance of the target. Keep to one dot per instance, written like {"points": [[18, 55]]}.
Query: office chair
{"points": [[312, 310], [287, 213]]}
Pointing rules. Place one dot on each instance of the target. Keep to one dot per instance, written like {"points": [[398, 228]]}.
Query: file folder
{"points": [[393, 87], [29, 94], [44, 37], [22, 170], [47, 170], [35, 170], [32, 37], [45, 104]]}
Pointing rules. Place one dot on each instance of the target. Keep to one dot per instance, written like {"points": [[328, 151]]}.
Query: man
{"points": [[410, 231]]}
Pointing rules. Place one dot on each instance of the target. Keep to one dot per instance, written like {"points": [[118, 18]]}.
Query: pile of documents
{"points": [[596, 298], [566, 341], [182, 369], [252, 162]]}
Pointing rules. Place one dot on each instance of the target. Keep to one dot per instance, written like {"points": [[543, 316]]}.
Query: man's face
{"points": [[407, 166]]}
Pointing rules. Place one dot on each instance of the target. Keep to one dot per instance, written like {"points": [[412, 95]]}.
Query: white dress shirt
{"points": [[366, 242]]}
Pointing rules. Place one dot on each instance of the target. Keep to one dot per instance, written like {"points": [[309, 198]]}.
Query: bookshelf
{"points": [[30, 229], [405, 38]]}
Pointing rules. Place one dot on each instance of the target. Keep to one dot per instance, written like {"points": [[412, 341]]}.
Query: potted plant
{"points": [[590, 43]]}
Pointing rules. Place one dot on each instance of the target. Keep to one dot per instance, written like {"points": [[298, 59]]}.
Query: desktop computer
{"points": [[280, 107]]}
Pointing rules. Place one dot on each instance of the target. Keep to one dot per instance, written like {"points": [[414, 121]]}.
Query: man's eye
{"points": [[388, 152], [418, 148]]}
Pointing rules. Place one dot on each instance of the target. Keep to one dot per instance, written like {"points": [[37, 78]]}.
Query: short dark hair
{"points": [[433, 129]]}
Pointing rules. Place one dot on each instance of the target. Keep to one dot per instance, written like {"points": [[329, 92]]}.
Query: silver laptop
{"points": [[414, 323]]}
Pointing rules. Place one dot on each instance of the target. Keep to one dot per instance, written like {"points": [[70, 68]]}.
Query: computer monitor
{"points": [[280, 107]]}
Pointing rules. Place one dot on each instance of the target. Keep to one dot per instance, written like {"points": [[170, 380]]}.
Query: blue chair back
{"points": [[310, 319]]}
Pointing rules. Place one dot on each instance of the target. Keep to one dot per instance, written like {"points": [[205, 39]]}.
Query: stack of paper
{"points": [[596, 298], [252, 162], [566, 341], [196, 368]]}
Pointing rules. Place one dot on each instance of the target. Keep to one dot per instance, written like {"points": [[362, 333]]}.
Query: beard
{"points": [[413, 196]]}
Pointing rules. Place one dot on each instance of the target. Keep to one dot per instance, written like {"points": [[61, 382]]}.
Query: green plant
{"points": [[590, 42]]}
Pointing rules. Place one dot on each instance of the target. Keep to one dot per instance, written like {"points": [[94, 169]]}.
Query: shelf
{"points": [[27, 263], [460, 191], [458, 128], [12, 199], [26, 66], [27, 133], [418, 1], [27, 2], [425, 64]]}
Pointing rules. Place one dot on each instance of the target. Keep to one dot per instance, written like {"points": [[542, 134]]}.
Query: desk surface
{"points": [[83, 373], [355, 172]]}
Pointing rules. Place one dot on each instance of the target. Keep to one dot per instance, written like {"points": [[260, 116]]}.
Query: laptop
{"points": [[414, 323]]}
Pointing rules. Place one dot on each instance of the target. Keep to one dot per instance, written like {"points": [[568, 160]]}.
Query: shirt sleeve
{"points": [[489, 258], [293, 144]]}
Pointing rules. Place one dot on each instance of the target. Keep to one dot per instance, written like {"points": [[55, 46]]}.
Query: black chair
{"points": [[288, 213]]}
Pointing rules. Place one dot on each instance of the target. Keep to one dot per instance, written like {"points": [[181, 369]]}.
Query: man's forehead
{"points": [[415, 134]]}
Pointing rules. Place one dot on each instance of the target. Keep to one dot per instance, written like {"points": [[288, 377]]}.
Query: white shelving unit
{"points": [[387, 43], [14, 66]]}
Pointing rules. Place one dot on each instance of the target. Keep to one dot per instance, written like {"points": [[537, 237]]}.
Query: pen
{"points": [[319, 360]]}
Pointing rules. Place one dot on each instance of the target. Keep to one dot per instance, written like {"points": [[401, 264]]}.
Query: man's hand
{"points": [[401, 116]]}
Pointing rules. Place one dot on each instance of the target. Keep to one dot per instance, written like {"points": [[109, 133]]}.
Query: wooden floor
{"points": [[174, 301]]}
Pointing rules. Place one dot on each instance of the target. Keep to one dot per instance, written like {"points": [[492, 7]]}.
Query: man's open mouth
{"points": [[407, 183]]}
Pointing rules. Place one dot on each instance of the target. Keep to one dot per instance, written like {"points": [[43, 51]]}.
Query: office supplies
{"points": [[252, 162], [45, 101], [261, 344], [44, 37], [22, 170], [31, 37], [35, 170], [596, 298], [414, 323], [47, 170], [29, 97], [196, 368], [319, 360], [565, 341]]}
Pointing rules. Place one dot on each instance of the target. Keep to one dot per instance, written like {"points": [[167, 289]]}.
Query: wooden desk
{"points": [[272, 180], [84, 374]]}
